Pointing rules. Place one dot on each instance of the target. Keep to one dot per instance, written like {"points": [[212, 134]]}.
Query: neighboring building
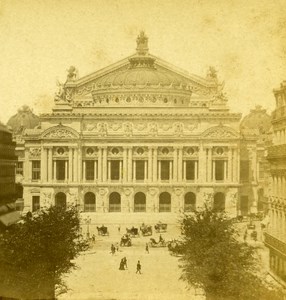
{"points": [[254, 167], [24, 119], [275, 238], [8, 215], [138, 136]]}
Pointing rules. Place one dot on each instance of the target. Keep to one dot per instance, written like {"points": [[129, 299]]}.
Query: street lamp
{"points": [[87, 222]]}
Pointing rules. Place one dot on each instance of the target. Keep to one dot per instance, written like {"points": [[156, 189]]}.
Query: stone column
{"points": [[55, 171], [99, 164], [225, 170], [213, 171], [235, 178], [180, 164], [66, 170], [50, 164], [104, 164], [155, 178], [108, 170], [196, 171], [229, 165], [125, 169], [84, 171], [44, 164], [134, 170], [184, 170], [159, 170], [202, 164], [175, 166], [129, 164], [75, 164], [70, 164], [171, 170], [95, 170], [238, 164], [150, 164], [145, 170], [120, 170], [79, 164], [209, 165]]}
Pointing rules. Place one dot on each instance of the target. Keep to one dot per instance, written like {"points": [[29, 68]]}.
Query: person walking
{"points": [[125, 262], [112, 249], [138, 267], [147, 248]]}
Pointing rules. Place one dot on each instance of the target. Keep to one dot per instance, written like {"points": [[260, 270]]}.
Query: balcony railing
{"points": [[278, 151], [275, 243]]}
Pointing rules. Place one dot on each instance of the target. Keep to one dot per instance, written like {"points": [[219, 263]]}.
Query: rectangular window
{"points": [[165, 169], [140, 173], [36, 170], [190, 170], [60, 169], [19, 168], [244, 170], [115, 169], [219, 170], [89, 170], [35, 203]]}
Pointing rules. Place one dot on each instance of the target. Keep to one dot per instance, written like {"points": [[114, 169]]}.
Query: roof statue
{"points": [[72, 73], [212, 73], [142, 44], [60, 95]]}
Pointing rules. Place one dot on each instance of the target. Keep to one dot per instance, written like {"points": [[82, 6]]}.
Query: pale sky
{"points": [[245, 40]]}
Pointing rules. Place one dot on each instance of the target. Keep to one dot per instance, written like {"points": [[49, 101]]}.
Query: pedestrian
{"points": [[121, 266], [125, 262], [147, 248], [118, 228], [138, 267], [93, 238], [112, 249], [117, 247]]}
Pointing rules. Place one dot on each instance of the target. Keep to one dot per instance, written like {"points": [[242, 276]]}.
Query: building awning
{"points": [[10, 218]]}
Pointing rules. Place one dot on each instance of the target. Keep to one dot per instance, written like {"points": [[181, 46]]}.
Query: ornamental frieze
{"points": [[34, 152], [59, 133]]}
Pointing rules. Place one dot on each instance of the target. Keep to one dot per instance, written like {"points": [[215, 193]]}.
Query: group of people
{"points": [[114, 248], [123, 265]]}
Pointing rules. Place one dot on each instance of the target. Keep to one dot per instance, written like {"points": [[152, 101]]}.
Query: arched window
{"points": [[114, 202], [165, 202], [219, 202], [140, 202], [190, 202], [89, 202], [61, 199]]}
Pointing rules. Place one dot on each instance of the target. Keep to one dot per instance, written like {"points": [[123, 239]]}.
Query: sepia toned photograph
{"points": [[143, 150]]}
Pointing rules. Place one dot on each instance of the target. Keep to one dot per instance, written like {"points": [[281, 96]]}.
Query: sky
{"points": [[245, 40]]}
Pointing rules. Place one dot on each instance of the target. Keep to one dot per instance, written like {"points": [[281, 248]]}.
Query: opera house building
{"points": [[139, 136]]}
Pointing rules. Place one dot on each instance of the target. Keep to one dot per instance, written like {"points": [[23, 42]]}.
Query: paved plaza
{"points": [[99, 277]]}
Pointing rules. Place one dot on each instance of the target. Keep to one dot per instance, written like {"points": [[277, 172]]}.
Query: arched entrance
{"points": [[165, 202], [219, 202], [61, 199], [89, 202], [114, 202], [190, 202], [140, 202]]}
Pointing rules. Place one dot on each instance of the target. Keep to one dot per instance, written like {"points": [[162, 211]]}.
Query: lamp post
{"points": [[87, 222]]}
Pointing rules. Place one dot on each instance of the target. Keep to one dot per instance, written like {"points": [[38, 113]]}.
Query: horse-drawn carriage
{"points": [[125, 241], [160, 243], [146, 229], [103, 230], [175, 247], [133, 232], [161, 227]]}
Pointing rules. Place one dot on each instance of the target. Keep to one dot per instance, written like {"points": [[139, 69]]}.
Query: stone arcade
{"points": [[137, 136]]}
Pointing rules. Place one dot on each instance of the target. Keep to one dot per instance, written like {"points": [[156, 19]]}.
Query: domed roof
{"points": [[142, 71], [25, 118], [256, 121]]}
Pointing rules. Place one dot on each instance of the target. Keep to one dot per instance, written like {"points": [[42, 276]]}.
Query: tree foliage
{"points": [[214, 259], [37, 252]]}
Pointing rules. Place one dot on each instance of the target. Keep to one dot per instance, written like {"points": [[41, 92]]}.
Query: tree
{"points": [[214, 259], [36, 253]]}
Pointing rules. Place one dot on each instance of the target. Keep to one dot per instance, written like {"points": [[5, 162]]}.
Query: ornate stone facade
{"points": [[275, 237], [138, 136]]}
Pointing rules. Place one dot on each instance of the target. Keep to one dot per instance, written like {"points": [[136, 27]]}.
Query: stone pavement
{"points": [[99, 276]]}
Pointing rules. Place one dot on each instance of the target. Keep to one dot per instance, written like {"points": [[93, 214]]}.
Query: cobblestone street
{"points": [[99, 276]]}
